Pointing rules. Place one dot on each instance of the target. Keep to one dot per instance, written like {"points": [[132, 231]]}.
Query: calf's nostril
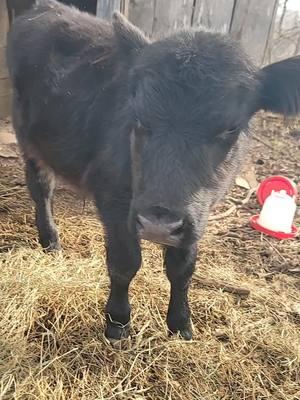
{"points": [[159, 228]]}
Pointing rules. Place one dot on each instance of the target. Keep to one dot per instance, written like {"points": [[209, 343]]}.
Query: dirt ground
{"points": [[51, 306]]}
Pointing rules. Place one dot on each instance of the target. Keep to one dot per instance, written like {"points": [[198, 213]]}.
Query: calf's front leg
{"points": [[123, 261], [180, 265]]}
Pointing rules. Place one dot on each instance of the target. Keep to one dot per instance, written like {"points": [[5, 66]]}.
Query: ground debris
{"points": [[52, 321]]}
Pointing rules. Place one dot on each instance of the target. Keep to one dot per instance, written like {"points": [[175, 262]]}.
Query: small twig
{"points": [[243, 292], [83, 206], [263, 141], [223, 215], [248, 197], [234, 207], [261, 322], [233, 200], [274, 248], [102, 58], [55, 359]]}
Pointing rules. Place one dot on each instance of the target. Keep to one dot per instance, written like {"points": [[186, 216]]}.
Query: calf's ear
{"points": [[128, 35], [280, 87]]}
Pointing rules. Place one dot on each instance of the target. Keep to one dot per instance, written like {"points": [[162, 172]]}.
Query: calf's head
{"points": [[191, 97]]}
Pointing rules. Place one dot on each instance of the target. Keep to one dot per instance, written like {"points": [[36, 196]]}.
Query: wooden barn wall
{"points": [[252, 24], [249, 21], [213, 14], [105, 8], [5, 88]]}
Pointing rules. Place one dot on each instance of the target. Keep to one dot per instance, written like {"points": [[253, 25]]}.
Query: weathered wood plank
{"points": [[213, 14], [251, 25], [5, 97], [3, 66], [271, 35], [141, 13], [5, 87], [170, 16], [105, 8], [3, 22], [159, 17], [125, 7], [5, 106]]}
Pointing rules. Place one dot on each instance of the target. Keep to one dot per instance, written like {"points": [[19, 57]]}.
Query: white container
{"points": [[278, 212]]}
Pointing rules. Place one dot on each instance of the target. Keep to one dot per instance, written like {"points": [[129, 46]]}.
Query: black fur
{"points": [[18, 7], [140, 126], [280, 90]]}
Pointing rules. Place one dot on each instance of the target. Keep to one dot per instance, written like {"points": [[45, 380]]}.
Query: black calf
{"points": [[155, 132]]}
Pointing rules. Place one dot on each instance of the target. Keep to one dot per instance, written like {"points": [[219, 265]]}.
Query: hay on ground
{"points": [[51, 306]]}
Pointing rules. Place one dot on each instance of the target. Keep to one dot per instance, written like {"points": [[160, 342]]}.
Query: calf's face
{"points": [[192, 96]]}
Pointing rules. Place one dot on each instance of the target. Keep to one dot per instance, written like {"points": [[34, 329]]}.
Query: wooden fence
{"points": [[5, 90], [249, 21]]}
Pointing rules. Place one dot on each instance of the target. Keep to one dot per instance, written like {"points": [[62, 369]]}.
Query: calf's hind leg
{"points": [[41, 185]]}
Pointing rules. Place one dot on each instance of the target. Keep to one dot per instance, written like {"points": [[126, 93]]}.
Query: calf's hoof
{"points": [[185, 334], [183, 329], [115, 331], [50, 245]]}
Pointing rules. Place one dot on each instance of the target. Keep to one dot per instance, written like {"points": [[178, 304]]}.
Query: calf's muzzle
{"points": [[160, 225]]}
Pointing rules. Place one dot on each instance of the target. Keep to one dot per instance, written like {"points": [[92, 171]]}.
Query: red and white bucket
{"points": [[277, 195]]}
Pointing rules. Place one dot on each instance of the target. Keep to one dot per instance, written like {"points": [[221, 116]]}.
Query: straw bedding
{"points": [[51, 306]]}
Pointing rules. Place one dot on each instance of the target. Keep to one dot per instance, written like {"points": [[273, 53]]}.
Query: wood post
{"points": [[251, 25], [105, 8], [213, 14], [141, 13], [125, 7], [5, 88], [248, 21], [161, 17]]}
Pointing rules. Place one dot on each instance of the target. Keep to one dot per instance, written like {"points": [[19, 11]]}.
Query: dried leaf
{"points": [[247, 179], [242, 182], [7, 151], [7, 137]]}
